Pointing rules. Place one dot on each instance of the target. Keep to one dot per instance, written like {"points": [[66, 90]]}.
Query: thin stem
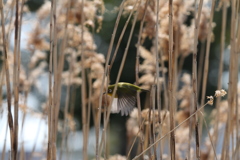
{"points": [[194, 76], [56, 92], [152, 107], [66, 108], [50, 98], [235, 75], [137, 71], [206, 64], [201, 64], [108, 127], [10, 117], [15, 82], [232, 83], [18, 72], [170, 82], [89, 103], [18, 67], [157, 61], [237, 94], [83, 90], [220, 71]]}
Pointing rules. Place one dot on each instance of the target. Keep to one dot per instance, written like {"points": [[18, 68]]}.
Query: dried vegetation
{"points": [[61, 47]]}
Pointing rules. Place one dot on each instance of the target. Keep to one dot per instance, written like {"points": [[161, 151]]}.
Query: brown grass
{"points": [[171, 124]]}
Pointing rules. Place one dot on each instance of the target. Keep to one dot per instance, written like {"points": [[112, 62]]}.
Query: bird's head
{"points": [[110, 90]]}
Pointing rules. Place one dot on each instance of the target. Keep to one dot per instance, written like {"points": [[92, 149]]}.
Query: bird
{"points": [[125, 98]]}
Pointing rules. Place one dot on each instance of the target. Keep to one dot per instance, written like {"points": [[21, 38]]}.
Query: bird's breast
{"points": [[110, 94]]}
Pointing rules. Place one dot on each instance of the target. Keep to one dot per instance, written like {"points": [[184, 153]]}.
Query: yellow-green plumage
{"points": [[126, 97]]}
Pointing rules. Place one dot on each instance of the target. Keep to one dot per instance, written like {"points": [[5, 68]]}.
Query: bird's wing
{"points": [[126, 101], [114, 108]]}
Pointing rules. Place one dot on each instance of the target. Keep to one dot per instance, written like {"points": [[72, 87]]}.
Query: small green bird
{"points": [[125, 98]]}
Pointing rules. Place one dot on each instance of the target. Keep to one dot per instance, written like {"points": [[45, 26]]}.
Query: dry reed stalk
{"points": [[236, 153], [233, 63], [98, 120], [232, 85], [51, 131], [66, 107], [55, 83], [89, 103], [176, 41], [220, 71], [201, 62], [105, 154], [159, 57], [237, 51], [11, 19], [103, 145], [157, 67], [119, 72], [200, 73], [106, 140], [165, 95], [161, 145], [154, 120], [22, 153], [83, 91], [19, 63], [72, 100], [206, 64], [194, 77], [137, 71], [170, 82], [149, 138], [147, 134], [190, 135], [224, 146], [15, 83], [146, 137], [140, 122], [234, 45], [237, 148], [5, 58]]}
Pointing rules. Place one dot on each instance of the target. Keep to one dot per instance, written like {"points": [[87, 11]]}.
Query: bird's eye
{"points": [[109, 90]]}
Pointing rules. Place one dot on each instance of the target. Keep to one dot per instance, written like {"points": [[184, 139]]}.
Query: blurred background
{"points": [[34, 126]]}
